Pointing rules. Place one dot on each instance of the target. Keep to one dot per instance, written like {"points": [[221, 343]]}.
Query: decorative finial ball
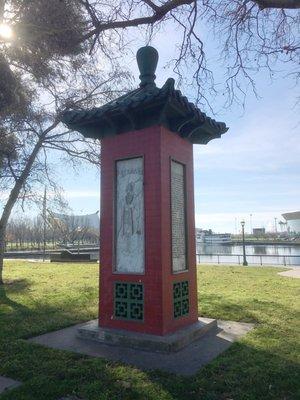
{"points": [[147, 58]]}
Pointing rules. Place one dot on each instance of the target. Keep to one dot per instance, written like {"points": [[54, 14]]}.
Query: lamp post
{"points": [[244, 248]]}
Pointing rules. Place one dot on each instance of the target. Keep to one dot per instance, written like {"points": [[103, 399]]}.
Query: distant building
{"points": [[293, 221], [259, 231], [90, 221], [76, 227]]}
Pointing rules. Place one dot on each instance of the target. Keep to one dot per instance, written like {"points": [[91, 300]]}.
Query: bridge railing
{"points": [[253, 259]]}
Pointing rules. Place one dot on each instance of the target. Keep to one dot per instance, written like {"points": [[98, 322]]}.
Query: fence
{"points": [[253, 259]]}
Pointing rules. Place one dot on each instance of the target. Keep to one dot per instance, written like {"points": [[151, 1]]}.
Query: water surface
{"points": [[256, 254]]}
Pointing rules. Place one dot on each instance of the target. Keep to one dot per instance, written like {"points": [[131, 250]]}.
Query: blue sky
{"points": [[253, 169]]}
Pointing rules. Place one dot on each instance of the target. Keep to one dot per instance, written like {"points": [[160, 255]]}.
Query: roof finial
{"points": [[147, 58]]}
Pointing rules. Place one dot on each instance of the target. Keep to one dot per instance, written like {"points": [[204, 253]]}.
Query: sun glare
{"points": [[5, 31]]}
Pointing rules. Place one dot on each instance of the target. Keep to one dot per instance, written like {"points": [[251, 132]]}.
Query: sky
{"points": [[252, 172]]}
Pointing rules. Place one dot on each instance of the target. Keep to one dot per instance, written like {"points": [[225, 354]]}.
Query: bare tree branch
{"points": [[71, 60], [151, 5], [159, 14], [289, 4]]}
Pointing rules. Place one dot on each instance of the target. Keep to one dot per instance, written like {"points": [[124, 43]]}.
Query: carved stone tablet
{"points": [[178, 217], [129, 213]]}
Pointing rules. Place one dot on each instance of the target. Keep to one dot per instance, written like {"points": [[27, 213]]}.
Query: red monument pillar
{"points": [[148, 285]]}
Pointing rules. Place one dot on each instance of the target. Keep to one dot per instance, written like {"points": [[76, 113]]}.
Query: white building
{"points": [[293, 221], [76, 227]]}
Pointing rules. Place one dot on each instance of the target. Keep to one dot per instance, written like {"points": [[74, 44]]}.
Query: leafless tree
{"points": [[41, 132], [44, 71], [41, 63], [252, 35], [27, 232], [71, 228]]}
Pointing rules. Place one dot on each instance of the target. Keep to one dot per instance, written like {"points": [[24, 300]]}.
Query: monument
{"points": [[148, 286]]}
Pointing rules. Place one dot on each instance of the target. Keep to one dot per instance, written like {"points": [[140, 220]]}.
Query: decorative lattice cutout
{"points": [[129, 301], [181, 299]]}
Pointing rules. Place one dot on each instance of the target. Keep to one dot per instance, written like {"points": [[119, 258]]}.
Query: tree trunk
{"points": [[2, 240], [13, 197], [15, 192], [289, 4]]}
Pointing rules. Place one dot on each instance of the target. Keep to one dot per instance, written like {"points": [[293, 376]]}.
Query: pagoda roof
{"points": [[144, 107]]}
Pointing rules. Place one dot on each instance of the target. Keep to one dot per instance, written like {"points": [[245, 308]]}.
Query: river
{"points": [[255, 253]]}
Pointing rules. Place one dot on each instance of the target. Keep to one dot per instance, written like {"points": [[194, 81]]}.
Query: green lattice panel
{"points": [[181, 299], [129, 301]]}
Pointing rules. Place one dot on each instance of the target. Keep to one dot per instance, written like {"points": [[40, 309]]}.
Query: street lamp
{"points": [[244, 248]]}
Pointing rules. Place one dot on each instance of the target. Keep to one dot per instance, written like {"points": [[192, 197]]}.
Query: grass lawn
{"points": [[41, 298]]}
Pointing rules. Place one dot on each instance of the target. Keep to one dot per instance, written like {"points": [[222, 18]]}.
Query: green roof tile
{"points": [[147, 106]]}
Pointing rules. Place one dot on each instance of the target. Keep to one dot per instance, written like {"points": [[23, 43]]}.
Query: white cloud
{"points": [[265, 140]]}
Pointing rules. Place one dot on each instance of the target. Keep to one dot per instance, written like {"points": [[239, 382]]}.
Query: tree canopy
{"points": [[62, 54], [45, 34]]}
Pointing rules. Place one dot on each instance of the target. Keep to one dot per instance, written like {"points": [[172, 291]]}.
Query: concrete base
{"points": [[186, 361], [7, 383], [165, 344]]}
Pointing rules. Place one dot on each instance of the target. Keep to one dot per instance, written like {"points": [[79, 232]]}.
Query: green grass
{"points": [[14, 246], [41, 298]]}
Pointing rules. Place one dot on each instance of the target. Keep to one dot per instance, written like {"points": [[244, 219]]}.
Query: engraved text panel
{"points": [[178, 217]]}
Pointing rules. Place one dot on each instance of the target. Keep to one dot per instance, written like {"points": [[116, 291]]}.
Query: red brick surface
{"points": [[157, 145]]}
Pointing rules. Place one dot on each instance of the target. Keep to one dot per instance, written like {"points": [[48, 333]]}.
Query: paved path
{"points": [[184, 362], [292, 273], [7, 383]]}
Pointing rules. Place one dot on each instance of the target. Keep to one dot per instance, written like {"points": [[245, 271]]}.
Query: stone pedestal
{"points": [[168, 343]]}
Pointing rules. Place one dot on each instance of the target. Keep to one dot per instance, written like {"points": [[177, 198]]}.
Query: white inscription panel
{"points": [[178, 217], [129, 227]]}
